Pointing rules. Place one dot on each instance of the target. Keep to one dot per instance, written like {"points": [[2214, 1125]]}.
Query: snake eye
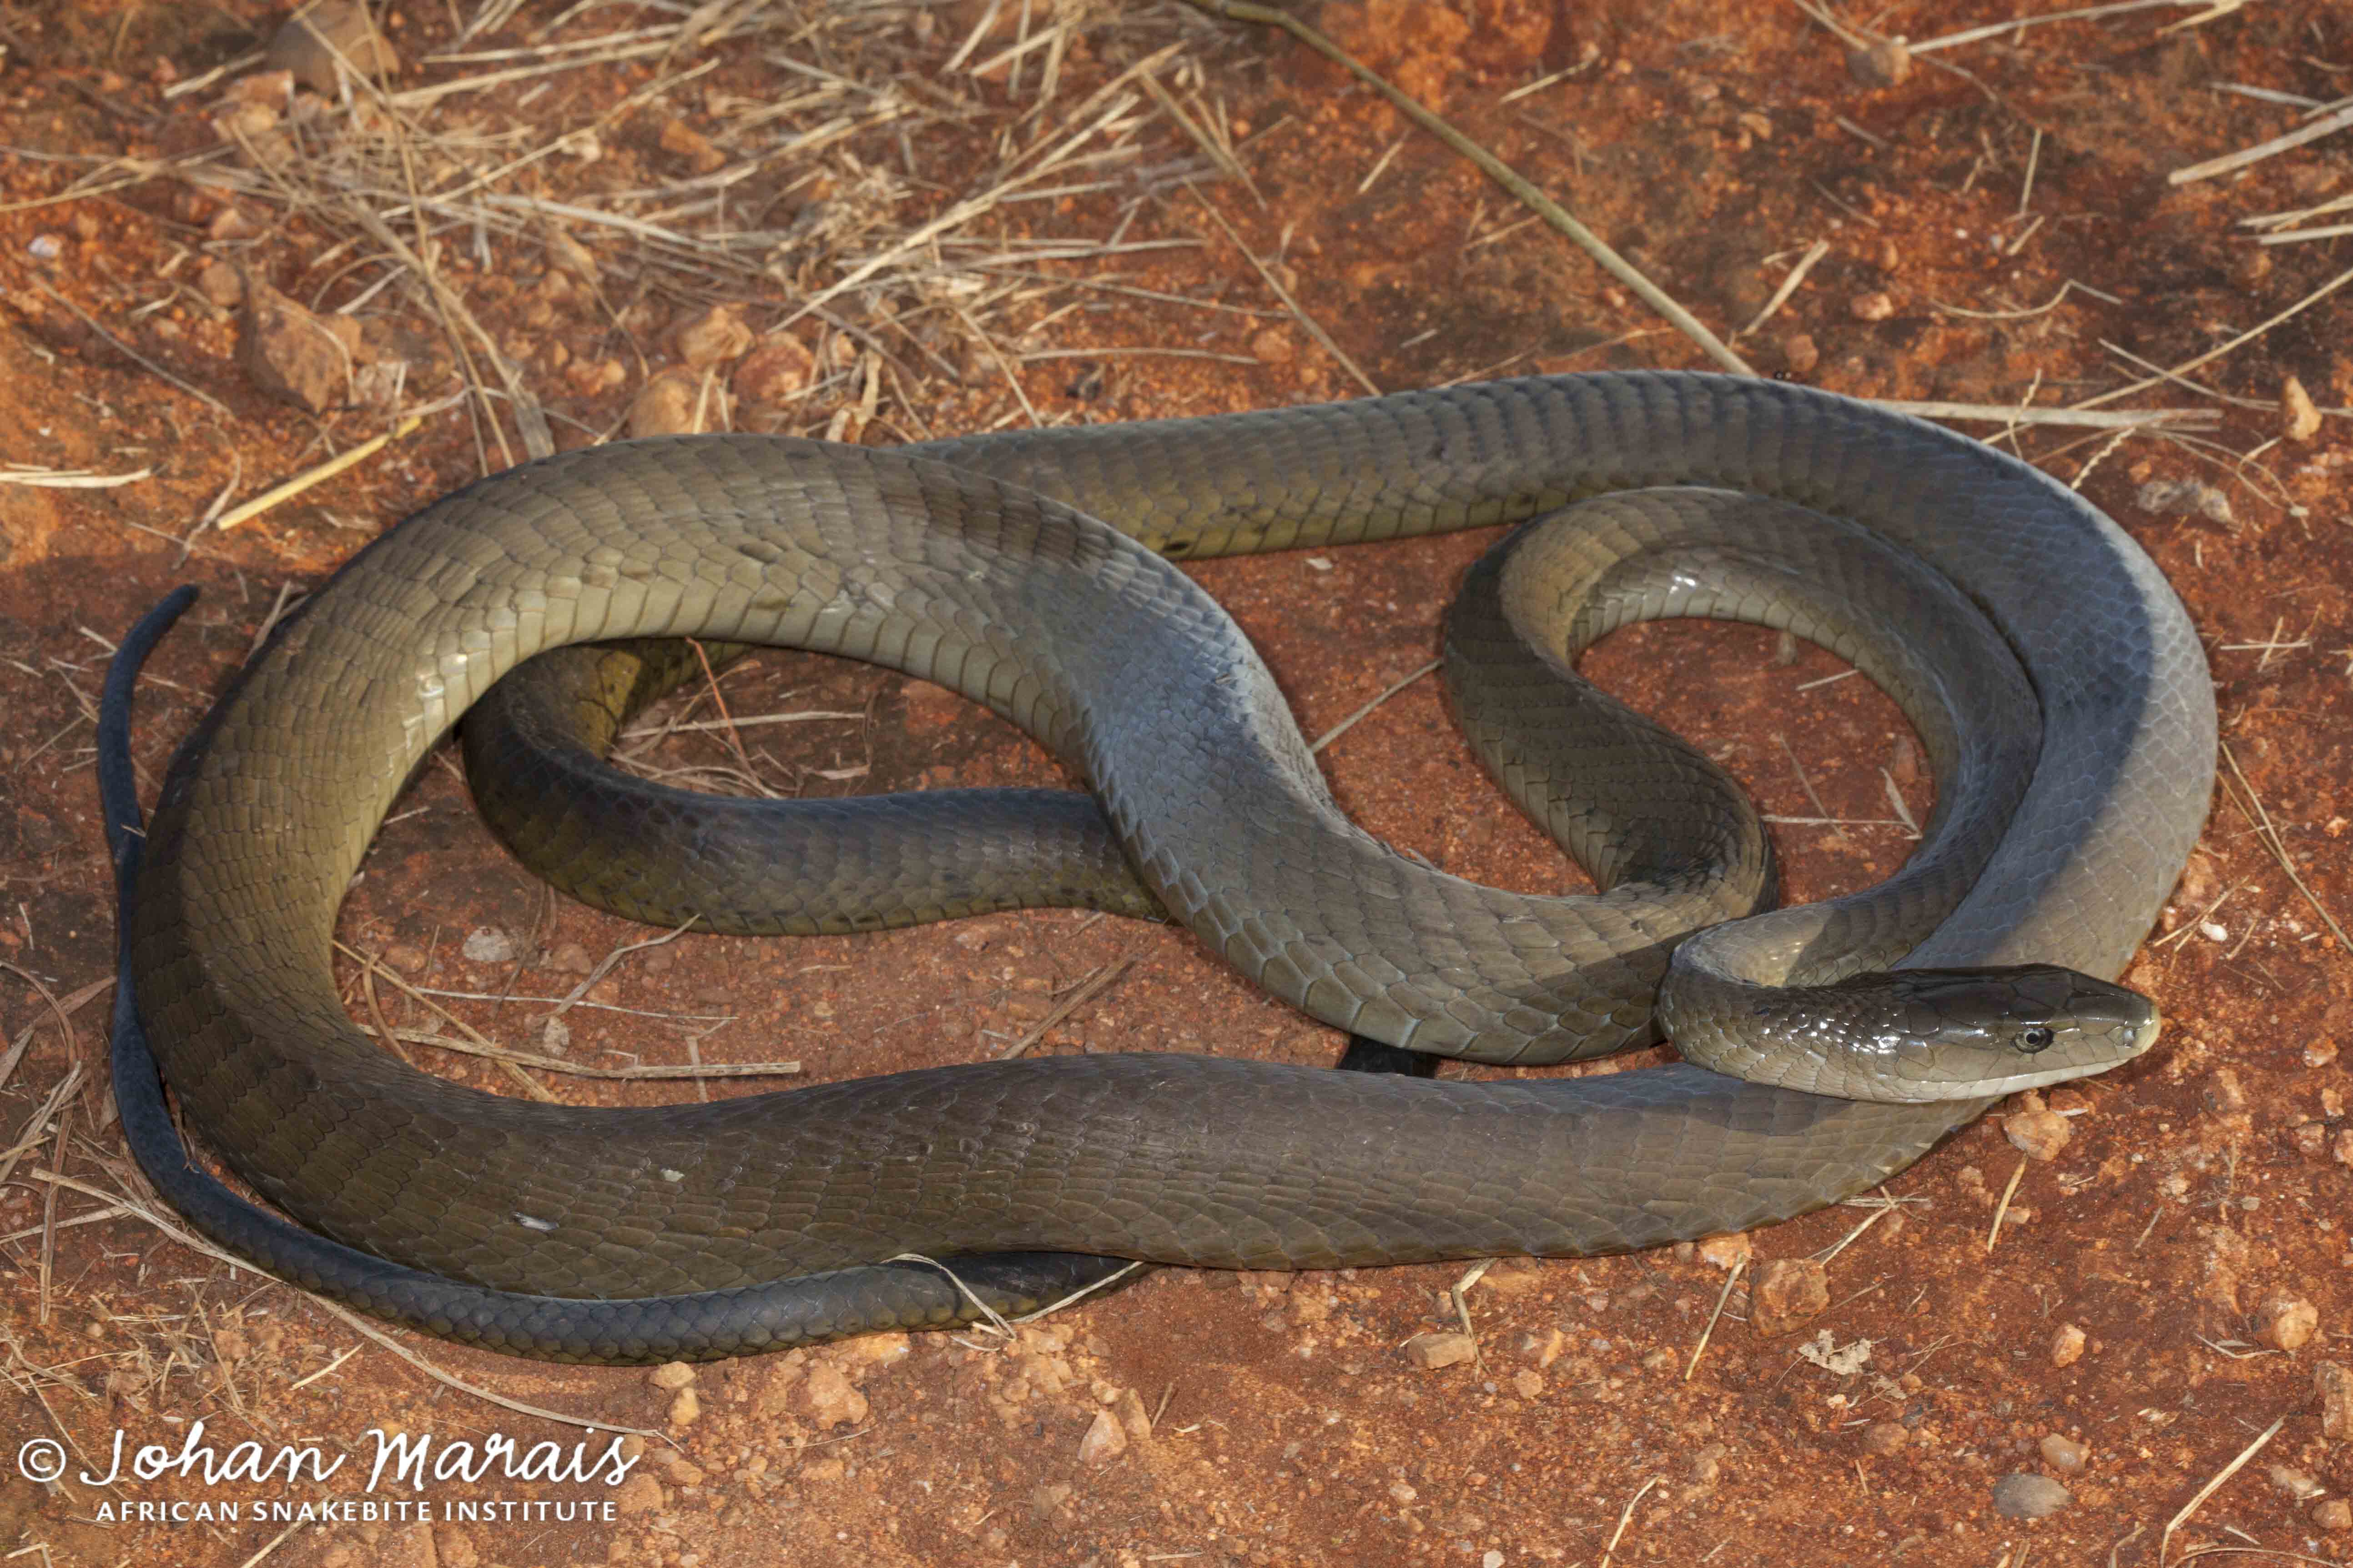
{"points": [[2036, 1038]]}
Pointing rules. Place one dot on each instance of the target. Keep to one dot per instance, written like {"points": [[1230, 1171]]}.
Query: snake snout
{"points": [[1996, 1031]]}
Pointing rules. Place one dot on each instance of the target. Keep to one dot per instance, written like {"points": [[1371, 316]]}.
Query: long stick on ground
{"points": [[1502, 174]]}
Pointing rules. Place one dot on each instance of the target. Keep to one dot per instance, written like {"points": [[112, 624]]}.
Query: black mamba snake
{"points": [[751, 1223]]}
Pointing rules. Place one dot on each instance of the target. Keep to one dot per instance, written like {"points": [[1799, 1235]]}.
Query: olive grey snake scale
{"points": [[896, 557]]}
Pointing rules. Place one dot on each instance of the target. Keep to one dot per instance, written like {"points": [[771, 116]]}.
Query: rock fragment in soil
{"points": [[1430, 1352], [674, 403], [2064, 1453], [1883, 62], [2067, 1345], [1881, 1438], [716, 335], [2294, 1482], [488, 944], [2029, 1496], [2334, 1515], [2286, 1321], [827, 1398], [2334, 1383], [2189, 498], [1790, 1291], [289, 353], [2299, 420], [2036, 1130], [1105, 1440]]}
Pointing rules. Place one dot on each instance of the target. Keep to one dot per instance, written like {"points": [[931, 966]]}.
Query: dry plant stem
{"points": [[62, 1015], [2327, 126], [2001, 1210], [1495, 169], [1299, 311], [1996, 29], [1814, 253], [2270, 833], [1351, 721], [1708, 1333], [376, 966], [2165, 1541], [2078, 416], [278, 494], [1088, 990], [2212, 354], [149, 366], [558, 1065], [1627, 1517], [147, 1214]]}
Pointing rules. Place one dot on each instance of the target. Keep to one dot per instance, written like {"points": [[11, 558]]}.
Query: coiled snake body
{"points": [[649, 1233]]}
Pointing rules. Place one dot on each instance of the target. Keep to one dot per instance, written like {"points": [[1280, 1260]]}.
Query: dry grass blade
{"points": [[1314, 328], [372, 964], [1495, 169], [2083, 12], [2269, 833], [2327, 126], [2001, 1209], [278, 494], [2250, 335], [2078, 416], [2165, 1541], [1708, 1333], [146, 1214], [1094, 985], [576, 1069], [1814, 253], [1353, 719], [149, 366], [61, 1011]]}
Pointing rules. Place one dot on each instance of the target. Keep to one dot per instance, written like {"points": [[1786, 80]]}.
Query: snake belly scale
{"points": [[901, 558]]}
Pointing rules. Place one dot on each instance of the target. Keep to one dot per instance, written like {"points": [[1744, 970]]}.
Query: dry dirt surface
{"points": [[878, 221]]}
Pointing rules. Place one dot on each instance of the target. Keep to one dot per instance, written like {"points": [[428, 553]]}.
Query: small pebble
{"points": [[571, 958], [2186, 496], [2035, 1130], [1800, 353], [2294, 1482], [1726, 1251], [2334, 1515], [1790, 1291], [686, 1409], [1882, 63], [672, 1374], [488, 944], [717, 335], [2067, 1345], [2028, 1495], [2064, 1453], [2334, 1383], [2286, 1321], [2299, 420], [1105, 1440], [1527, 1383], [1885, 1437], [1875, 306], [1430, 1352]]}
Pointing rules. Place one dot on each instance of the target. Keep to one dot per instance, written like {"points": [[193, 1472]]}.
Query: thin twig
{"points": [[1299, 311], [1495, 169]]}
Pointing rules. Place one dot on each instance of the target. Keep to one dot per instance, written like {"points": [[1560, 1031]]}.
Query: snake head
{"points": [[1952, 1034]]}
